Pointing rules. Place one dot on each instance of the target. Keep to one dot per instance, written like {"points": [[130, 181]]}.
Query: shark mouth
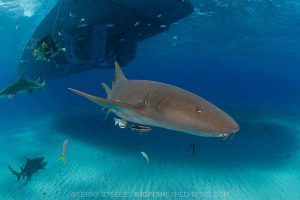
{"points": [[226, 136]]}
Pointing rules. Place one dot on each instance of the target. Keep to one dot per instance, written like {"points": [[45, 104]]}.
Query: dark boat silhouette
{"points": [[84, 34]]}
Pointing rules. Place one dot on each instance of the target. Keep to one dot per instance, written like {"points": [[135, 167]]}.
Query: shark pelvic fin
{"points": [[106, 116], [107, 103], [107, 89], [119, 75]]}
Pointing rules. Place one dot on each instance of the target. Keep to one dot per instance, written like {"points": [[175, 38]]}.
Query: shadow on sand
{"points": [[258, 144]]}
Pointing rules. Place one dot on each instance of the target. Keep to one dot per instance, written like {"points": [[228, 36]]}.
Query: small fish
{"points": [[137, 23], [110, 25], [120, 122], [71, 15], [82, 25], [23, 61], [145, 156], [64, 151], [159, 15], [82, 19], [192, 147], [17, 27], [163, 26]]}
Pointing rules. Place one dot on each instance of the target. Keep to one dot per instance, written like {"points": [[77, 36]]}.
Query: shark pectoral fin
{"points": [[107, 89], [107, 103]]}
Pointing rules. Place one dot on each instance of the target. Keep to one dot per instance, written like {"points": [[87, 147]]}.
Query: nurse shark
{"points": [[162, 105], [21, 85]]}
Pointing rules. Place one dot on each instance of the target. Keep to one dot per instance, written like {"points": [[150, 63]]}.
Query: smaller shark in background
{"points": [[20, 86], [31, 167]]}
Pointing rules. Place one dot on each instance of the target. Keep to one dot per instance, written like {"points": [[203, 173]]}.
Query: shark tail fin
{"points": [[43, 83], [107, 89], [119, 75], [17, 174], [62, 158]]}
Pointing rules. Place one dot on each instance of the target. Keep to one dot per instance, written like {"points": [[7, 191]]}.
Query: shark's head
{"points": [[199, 117]]}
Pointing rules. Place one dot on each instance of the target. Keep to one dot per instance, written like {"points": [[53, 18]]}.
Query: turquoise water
{"points": [[241, 55]]}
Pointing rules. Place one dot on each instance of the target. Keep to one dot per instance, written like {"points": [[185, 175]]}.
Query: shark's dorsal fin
{"points": [[107, 89], [119, 75], [21, 77]]}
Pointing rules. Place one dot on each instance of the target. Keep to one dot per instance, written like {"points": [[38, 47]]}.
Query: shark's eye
{"points": [[199, 110]]}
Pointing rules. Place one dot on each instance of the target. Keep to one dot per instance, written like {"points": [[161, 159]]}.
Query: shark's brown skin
{"points": [[166, 106], [21, 85]]}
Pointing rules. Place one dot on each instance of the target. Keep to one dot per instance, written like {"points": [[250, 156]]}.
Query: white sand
{"points": [[260, 162]]}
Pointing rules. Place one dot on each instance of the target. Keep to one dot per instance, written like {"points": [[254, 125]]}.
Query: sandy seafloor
{"points": [[262, 161]]}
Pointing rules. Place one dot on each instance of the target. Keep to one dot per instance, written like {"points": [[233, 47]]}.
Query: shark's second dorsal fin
{"points": [[119, 75]]}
